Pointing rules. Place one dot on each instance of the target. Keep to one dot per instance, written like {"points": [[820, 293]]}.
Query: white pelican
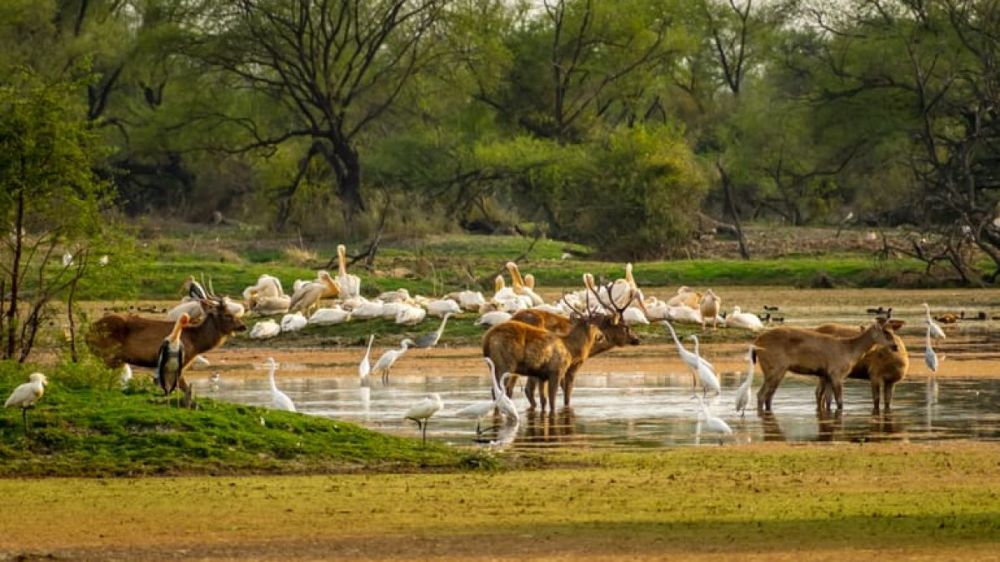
{"points": [[441, 307], [350, 285], [264, 330], [746, 320], [269, 305], [329, 316], [367, 310], [709, 308], [293, 322], [26, 395], [493, 318], [410, 315]]}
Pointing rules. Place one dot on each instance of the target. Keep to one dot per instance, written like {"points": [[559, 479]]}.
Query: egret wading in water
{"points": [[389, 358], [690, 359], [744, 392], [26, 395], [706, 374], [933, 328], [279, 400], [365, 367], [171, 359], [711, 423], [931, 360], [422, 411], [501, 402]]}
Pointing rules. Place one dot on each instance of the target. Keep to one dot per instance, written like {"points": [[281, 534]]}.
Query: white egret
{"points": [[214, 380], [279, 400], [744, 392], [126, 375], [932, 327], [365, 367], [422, 411], [706, 374], [690, 359], [711, 423], [26, 395], [389, 358], [931, 360]]}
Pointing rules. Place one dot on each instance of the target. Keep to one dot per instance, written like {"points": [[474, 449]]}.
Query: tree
{"points": [[334, 67], [52, 206]]}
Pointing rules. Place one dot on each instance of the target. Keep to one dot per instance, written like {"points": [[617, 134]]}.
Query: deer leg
{"points": [[772, 378], [887, 390], [529, 391], [567, 384], [838, 391], [553, 388], [876, 393]]}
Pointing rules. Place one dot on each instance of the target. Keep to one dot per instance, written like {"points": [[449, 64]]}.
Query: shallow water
{"points": [[635, 411]]}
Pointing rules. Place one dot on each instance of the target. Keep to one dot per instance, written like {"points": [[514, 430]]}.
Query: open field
{"points": [[894, 502]]}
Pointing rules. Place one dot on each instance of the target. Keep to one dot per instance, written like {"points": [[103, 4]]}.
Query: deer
{"points": [[532, 351], [119, 339], [809, 352], [615, 335], [881, 366]]}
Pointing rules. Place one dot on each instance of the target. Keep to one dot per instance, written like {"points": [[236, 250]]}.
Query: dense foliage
{"points": [[610, 123]]}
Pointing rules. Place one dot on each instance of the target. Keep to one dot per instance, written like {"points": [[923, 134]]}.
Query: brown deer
{"points": [[615, 335], [881, 366], [118, 339], [534, 352], [808, 352]]}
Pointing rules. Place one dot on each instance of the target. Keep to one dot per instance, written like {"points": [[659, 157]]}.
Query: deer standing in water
{"points": [[808, 352], [548, 356]]}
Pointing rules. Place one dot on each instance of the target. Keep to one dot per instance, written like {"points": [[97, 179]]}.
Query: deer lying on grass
{"points": [[118, 339], [534, 352], [808, 352], [881, 366], [615, 335]]}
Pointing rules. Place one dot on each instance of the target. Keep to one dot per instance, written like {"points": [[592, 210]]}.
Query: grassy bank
{"points": [[762, 502], [78, 429], [441, 264]]}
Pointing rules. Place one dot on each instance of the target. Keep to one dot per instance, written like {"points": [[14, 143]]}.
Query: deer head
{"points": [[613, 326]]}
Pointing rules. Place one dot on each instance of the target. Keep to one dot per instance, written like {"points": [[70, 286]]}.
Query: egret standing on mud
{"points": [[25, 395], [422, 411]]}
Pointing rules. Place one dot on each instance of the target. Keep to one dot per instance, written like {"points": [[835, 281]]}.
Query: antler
{"points": [[610, 305]]}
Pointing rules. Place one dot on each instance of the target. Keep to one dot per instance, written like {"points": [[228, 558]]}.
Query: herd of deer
{"points": [[549, 347]]}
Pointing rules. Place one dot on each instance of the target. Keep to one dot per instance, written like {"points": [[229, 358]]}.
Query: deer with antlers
{"points": [[119, 339], [548, 356]]}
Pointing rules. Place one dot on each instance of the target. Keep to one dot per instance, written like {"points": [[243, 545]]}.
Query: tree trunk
{"points": [[347, 169], [15, 273], [727, 192]]}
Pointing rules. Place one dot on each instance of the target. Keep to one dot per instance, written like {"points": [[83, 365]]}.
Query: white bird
{"points": [[432, 339], [329, 316], [104, 260], [26, 395], [192, 308], [745, 320], [501, 402], [399, 295], [710, 305], [493, 318], [633, 315], [933, 328], [264, 330], [214, 380], [279, 400], [266, 286], [126, 375], [683, 313], [690, 359], [410, 315], [307, 296], [706, 374], [713, 424], [471, 300], [270, 305], [293, 322], [744, 392], [201, 360], [441, 307], [389, 358], [350, 285], [367, 310], [365, 367], [422, 411], [67, 259], [931, 360]]}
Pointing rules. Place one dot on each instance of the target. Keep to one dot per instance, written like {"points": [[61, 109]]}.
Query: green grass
{"points": [[440, 264], [83, 427]]}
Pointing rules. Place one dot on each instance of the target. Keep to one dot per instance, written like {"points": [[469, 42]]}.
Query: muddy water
{"points": [[625, 410]]}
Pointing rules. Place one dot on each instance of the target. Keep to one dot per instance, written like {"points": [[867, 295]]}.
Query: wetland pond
{"points": [[641, 397]]}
